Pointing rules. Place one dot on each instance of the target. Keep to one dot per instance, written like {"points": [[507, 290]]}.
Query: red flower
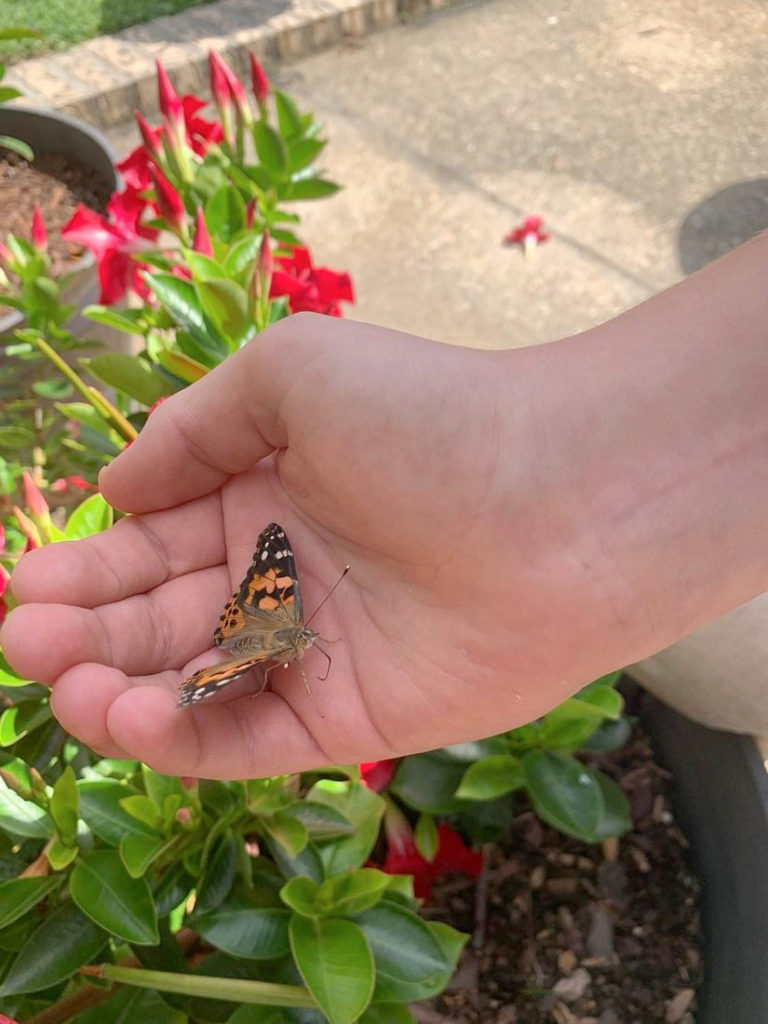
{"points": [[169, 202], [260, 82], [113, 242], [76, 483], [529, 234], [452, 857], [201, 134], [377, 775], [39, 234], [202, 240], [310, 289], [168, 99]]}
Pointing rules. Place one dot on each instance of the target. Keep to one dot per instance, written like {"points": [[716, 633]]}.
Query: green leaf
{"points": [[219, 875], [243, 254], [64, 804], [13, 438], [7, 676], [65, 941], [410, 963], [616, 817], [564, 793], [609, 736], [21, 719], [387, 1013], [143, 809], [335, 961], [56, 387], [428, 782], [129, 374], [288, 116], [22, 817], [125, 320], [363, 808], [426, 837], [103, 889], [203, 267], [226, 303], [182, 302], [133, 1006], [61, 854], [300, 894], [287, 831], [17, 146], [270, 148], [320, 821], [353, 892], [138, 852], [91, 516], [181, 366], [160, 787], [243, 930], [302, 152], [311, 188], [101, 810], [225, 213], [21, 894], [491, 777]]}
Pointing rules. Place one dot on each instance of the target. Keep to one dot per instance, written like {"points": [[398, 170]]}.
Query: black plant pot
{"points": [[47, 131], [720, 795]]}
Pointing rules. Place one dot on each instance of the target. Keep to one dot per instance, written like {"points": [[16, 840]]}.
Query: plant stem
{"points": [[235, 990], [72, 1006]]}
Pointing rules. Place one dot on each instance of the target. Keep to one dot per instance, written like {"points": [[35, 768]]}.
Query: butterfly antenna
{"points": [[330, 592]]}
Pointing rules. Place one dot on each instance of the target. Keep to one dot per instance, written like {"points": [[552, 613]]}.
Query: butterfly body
{"points": [[262, 622]]}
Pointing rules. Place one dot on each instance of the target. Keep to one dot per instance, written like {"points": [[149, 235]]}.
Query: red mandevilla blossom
{"points": [[377, 775], [169, 202], [259, 81], [310, 289], [168, 99], [201, 241], [403, 858], [74, 483], [39, 233], [529, 234], [113, 242]]}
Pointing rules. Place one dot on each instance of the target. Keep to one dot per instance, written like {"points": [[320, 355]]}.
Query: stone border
{"points": [[103, 80]]}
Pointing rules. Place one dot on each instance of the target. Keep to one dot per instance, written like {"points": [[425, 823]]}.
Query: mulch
{"points": [[57, 183], [567, 933]]}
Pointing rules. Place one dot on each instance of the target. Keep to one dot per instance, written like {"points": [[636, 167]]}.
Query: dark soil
{"points": [[58, 184], [568, 933]]}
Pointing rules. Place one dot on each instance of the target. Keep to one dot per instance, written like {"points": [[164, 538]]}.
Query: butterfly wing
{"points": [[268, 600]]}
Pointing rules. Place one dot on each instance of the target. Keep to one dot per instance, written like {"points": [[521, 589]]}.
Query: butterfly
{"points": [[262, 621]]}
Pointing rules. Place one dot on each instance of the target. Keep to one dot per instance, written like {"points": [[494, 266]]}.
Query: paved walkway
{"points": [[638, 132]]}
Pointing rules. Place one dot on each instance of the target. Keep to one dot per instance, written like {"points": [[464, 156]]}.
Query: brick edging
{"points": [[103, 80]]}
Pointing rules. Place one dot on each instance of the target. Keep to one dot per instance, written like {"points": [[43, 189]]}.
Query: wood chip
{"points": [[562, 1015], [562, 886], [611, 848], [574, 986], [538, 875], [566, 961], [679, 1005], [600, 936], [641, 861]]}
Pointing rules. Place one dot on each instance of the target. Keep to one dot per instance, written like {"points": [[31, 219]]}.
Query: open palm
{"points": [[373, 449]]}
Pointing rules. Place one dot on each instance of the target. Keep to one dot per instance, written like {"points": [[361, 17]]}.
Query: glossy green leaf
{"points": [[491, 777], [387, 1013], [21, 894], [22, 817], [270, 148], [243, 254], [289, 832], [300, 894], [564, 793], [65, 940], [64, 804], [219, 874], [181, 300], [100, 808], [225, 213], [203, 267], [243, 930], [426, 836], [21, 719], [182, 366], [122, 905], [321, 821], [138, 852], [17, 146], [352, 893], [55, 388], [259, 1015], [288, 116], [410, 962], [125, 320], [428, 782], [129, 374], [130, 1005], [143, 809], [61, 854], [92, 516], [616, 817], [226, 304], [335, 961], [311, 188], [303, 152], [363, 808]]}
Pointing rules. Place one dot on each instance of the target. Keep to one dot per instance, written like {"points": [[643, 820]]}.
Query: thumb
{"points": [[219, 426]]}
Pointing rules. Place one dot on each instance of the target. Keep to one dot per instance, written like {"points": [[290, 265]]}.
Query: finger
{"points": [[80, 700], [246, 738], [136, 555], [214, 429], [143, 634]]}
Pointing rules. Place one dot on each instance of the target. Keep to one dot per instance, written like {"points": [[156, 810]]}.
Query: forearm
{"points": [[655, 424]]}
